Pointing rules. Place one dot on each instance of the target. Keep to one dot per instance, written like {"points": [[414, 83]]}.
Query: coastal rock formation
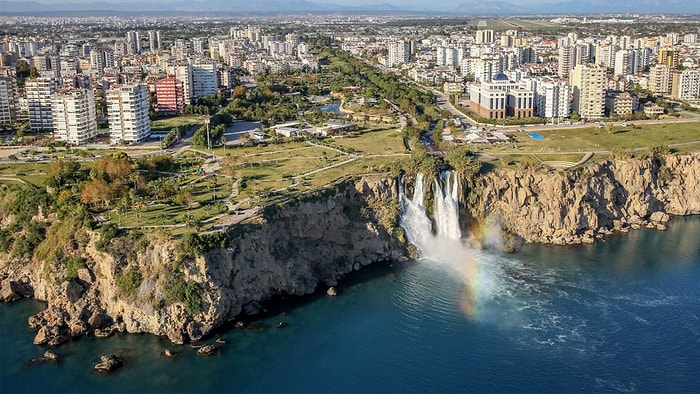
{"points": [[293, 250], [579, 206], [297, 247]]}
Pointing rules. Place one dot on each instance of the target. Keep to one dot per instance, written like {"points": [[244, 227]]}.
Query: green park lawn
{"points": [[601, 139]]}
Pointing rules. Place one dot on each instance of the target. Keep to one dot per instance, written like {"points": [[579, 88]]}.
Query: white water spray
{"points": [[447, 207]]}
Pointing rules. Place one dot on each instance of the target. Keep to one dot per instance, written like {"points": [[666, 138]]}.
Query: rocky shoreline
{"points": [[307, 246]]}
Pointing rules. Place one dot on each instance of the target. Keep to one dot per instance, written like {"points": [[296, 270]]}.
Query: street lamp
{"points": [[206, 122]]}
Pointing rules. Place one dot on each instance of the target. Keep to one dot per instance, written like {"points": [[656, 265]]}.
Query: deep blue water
{"points": [[623, 315]]}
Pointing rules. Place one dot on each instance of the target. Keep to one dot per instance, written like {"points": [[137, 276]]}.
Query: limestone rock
{"points": [[206, 350], [109, 363], [332, 291], [659, 217]]}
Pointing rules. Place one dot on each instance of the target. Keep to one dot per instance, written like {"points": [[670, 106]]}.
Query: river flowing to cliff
{"points": [[618, 316]]}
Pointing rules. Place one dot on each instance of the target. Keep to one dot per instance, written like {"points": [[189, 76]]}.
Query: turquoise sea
{"points": [[618, 316]]}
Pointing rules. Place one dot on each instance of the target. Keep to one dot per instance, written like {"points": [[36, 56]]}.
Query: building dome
{"points": [[501, 77]]}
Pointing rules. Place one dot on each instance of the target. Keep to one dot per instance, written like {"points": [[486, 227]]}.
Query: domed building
{"points": [[501, 98]]}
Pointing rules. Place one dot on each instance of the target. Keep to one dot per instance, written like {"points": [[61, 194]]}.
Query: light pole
{"points": [[206, 122]]}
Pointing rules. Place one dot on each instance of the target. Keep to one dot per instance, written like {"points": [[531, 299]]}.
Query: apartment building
{"points": [[399, 53], [685, 85], [39, 92], [204, 80], [74, 117], [127, 112], [588, 88], [9, 106], [170, 96]]}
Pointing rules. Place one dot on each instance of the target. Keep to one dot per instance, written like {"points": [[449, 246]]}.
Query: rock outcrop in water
{"points": [[297, 248], [579, 206]]}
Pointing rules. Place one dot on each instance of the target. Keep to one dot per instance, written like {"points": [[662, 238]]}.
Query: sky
{"points": [[398, 3]]}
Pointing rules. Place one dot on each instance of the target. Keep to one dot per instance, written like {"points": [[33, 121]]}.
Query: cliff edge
{"points": [[578, 206]]}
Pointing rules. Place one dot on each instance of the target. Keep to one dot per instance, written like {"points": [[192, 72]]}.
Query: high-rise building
{"points": [[566, 55], [74, 117], [154, 40], [183, 73], [660, 79], [399, 53], [39, 92], [588, 85], [133, 40], [170, 96], [552, 100], [127, 111], [668, 56], [686, 85], [624, 63], [484, 36], [204, 81], [9, 106]]}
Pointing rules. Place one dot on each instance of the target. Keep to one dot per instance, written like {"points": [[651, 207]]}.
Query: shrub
{"points": [[73, 264], [129, 280], [177, 290]]}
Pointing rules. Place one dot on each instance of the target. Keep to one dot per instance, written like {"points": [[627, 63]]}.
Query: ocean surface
{"points": [[618, 316]]}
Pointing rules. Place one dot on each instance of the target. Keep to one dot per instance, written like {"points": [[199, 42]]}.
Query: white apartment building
{"points": [[686, 85], [74, 117], [552, 99], [660, 78], [183, 73], [9, 106], [204, 81], [399, 53], [154, 40], [127, 111], [588, 86], [39, 92], [484, 37]]}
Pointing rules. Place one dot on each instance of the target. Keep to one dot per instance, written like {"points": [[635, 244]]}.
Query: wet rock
{"points": [[50, 356], [57, 340], [206, 350], [42, 336], [659, 217], [332, 291], [281, 324], [77, 328], [99, 333], [255, 326], [168, 354], [108, 363], [47, 356]]}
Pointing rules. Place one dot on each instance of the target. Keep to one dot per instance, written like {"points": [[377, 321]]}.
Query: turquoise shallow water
{"points": [[623, 315]]}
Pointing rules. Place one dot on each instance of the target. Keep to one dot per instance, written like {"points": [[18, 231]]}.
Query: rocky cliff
{"points": [[300, 247], [579, 206]]}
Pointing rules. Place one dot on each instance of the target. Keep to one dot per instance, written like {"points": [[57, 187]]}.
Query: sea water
{"points": [[618, 316]]}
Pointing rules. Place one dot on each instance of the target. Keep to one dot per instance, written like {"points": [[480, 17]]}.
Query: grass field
{"points": [[176, 121], [600, 139]]}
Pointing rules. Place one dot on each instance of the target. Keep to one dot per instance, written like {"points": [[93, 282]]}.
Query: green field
{"points": [[596, 139], [185, 121]]}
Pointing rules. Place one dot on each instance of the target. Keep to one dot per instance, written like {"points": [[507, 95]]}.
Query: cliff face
{"points": [[305, 245], [578, 206]]}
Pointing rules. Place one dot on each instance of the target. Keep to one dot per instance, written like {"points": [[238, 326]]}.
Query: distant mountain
{"points": [[473, 7]]}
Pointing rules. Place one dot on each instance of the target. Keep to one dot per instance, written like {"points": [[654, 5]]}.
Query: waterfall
{"points": [[447, 207], [415, 221]]}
